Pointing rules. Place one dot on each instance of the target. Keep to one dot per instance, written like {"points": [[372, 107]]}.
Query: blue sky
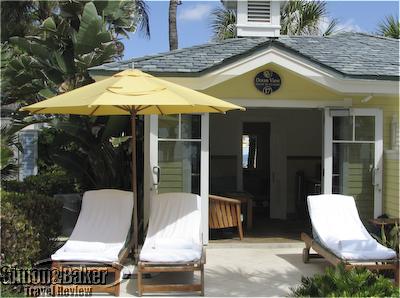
{"points": [[194, 22]]}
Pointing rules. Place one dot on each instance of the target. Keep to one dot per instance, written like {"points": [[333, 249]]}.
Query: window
{"points": [[249, 152], [179, 148], [393, 151]]}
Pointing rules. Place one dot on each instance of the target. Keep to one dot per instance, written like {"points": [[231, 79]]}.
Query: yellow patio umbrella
{"points": [[131, 92]]}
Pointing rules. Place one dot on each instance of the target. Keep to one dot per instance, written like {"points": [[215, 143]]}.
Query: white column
{"points": [[328, 130], [204, 174]]}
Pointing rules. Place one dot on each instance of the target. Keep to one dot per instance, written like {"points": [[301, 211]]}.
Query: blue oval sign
{"points": [[267, 81]]}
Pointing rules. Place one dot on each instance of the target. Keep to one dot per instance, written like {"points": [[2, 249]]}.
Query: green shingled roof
{"points": [[348, 54]]}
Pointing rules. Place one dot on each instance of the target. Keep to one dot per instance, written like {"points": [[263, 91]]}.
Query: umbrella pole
{"points": [[134, 187]]}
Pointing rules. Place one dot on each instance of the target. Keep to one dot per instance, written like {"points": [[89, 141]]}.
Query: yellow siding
{"points": [[295, 87], [391, 192]]}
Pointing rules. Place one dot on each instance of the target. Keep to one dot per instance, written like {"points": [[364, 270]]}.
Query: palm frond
{"points": [[143, 17], [223, 23], [390, 27], [331, 28]]}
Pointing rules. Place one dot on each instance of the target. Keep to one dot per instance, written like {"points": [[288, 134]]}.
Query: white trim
{"points": [[204, 173], [328, 161], [287, 103], [146, 169], [151, 161], [378, 204], [292, 62], [179, 140], [378, 153]]}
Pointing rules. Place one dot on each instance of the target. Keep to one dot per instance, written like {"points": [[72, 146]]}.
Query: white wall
{"points": [[294, 132]]}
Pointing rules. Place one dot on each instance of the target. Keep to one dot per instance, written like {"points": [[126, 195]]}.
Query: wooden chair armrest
{"points": [[224, 199]]}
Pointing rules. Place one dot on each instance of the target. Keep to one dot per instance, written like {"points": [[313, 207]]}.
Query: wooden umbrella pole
{"points": [[134, 187]]}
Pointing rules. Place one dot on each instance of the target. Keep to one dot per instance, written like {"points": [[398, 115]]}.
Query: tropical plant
{"points": [[224, 23], [58, 58], [76, 36], [172, 31], [304, 17], [389, 237], [53, 180], [30, 224], [298, 17], [9, 146], [82, 147], [338, 282], [390, 27], [19, 18]]}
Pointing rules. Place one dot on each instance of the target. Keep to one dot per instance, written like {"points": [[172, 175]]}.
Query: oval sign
{"points": [[267, 81]]}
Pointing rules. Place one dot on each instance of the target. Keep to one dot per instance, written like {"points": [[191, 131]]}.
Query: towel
{"points": [[336, 222], [174, 233]]}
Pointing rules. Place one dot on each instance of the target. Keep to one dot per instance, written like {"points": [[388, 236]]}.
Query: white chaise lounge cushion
{"points": [[174, 233], [102, 227], [336, 222]]}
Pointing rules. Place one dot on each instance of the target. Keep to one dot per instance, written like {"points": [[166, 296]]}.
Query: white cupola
{"points": [[256, 17]]}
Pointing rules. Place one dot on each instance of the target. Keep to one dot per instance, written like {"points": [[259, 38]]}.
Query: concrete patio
{"points": [[246, 269]]}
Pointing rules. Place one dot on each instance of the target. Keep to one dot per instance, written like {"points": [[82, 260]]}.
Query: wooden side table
{"points": [[246, 199]]}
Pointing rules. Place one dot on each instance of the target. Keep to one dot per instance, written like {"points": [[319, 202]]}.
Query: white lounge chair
{"points": [[99, 239], [340, 236], [173, 242]]}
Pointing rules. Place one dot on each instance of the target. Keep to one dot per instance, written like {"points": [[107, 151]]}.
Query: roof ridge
{"points": [[343, 52], [377, 36], [168, 53]]}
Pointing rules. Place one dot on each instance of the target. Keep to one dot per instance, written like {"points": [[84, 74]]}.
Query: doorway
{"points": [[260, 154], [256, 165]]}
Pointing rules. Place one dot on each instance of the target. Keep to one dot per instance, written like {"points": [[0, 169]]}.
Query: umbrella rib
{"points": [[218, 110], [94, 111], [158, 107], [135, 109], [141, 108], [123, 108], [37, 111]]}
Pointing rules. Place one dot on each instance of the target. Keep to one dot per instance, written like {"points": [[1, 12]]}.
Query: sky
{"points": [[193, 22]]}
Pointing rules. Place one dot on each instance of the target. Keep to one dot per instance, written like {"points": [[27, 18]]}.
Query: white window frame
{"points": [[151, 161], [378, 164]]}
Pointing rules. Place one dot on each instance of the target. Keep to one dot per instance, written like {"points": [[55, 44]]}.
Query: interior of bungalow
{"points": [[272, 156]]}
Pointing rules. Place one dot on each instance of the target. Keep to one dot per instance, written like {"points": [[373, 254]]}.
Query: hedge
{"points": [[29, 225]]}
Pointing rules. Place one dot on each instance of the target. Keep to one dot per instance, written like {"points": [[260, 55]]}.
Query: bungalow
{"points": [[322, 117]]}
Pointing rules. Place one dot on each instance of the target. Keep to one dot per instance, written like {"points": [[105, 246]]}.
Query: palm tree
{"points": [[298, 17], [302, 17], [172, 31], [390, 27], [224, 23]]}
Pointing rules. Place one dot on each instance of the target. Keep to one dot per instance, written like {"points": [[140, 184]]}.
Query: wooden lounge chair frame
{"points": [[322, 252], [150, 267], [225, 213], [112, 288]]}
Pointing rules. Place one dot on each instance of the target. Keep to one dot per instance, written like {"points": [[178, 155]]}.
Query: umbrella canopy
{"points": [[131, 92]]}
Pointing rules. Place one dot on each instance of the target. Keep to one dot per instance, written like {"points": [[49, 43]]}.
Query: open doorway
{"points": [[255, 164], [272, 156]]}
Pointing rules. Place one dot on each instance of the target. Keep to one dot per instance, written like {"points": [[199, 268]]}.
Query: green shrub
{"points": [[338, 282], [389, 237], [30, 224], [10, 291], [52, 181], [20, 245]]}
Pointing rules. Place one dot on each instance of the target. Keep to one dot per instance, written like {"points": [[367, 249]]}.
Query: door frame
{"points": [[378, 153], [151, 160]]}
